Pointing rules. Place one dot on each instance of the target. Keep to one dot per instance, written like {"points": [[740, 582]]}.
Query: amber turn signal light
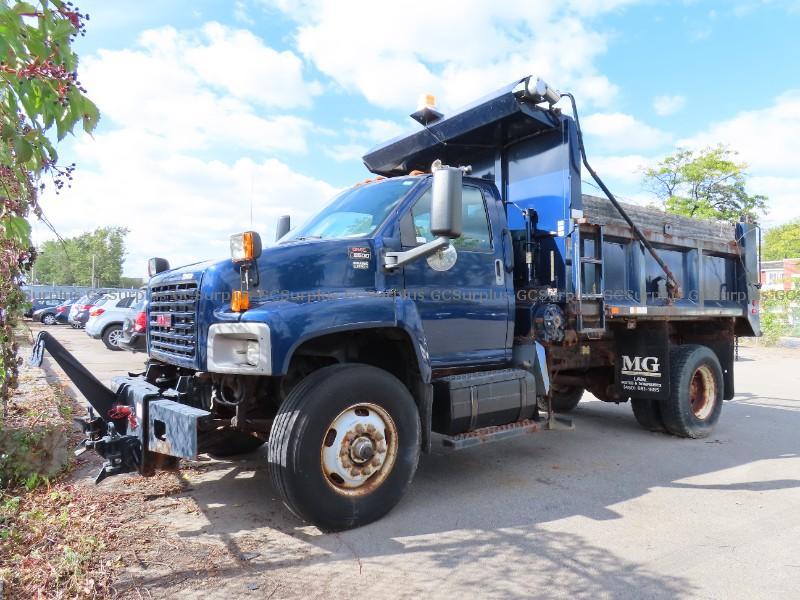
{"points": [[240, 301]]}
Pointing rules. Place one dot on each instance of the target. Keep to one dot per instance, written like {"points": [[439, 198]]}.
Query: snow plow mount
{"points": [[135, 426]]}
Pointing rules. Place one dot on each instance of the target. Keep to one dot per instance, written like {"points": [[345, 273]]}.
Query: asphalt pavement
{"points": [[606, 510]]}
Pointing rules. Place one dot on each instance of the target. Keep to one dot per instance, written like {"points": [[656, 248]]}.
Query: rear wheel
{"points": [[647, 413], [49, 319], [564, 398], [344, 446], [695, 401], [112, 336]]}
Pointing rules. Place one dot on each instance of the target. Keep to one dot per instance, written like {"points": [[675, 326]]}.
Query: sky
{"points": [[218, 117]]}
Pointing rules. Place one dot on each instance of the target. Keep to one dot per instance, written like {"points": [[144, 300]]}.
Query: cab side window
{"points": [[476, 233]]}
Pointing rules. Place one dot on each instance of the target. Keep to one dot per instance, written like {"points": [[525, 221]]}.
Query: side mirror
{"points": [[446, 202], [156, 266], [284, 225]]}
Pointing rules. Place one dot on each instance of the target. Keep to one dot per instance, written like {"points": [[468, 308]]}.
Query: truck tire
{"points": [[344, 446], [564, 398], [49, 319], [112, 335], [648, 414], [232, 443], [695, 401]]}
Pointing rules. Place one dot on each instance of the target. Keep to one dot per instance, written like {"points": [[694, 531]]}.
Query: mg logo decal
{"points": [[647, 366]]}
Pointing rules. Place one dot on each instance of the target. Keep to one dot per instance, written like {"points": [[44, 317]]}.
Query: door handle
{"points": [[499, 272]]}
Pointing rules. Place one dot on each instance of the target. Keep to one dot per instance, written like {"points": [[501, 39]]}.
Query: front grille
{"points": [[178, 339]]}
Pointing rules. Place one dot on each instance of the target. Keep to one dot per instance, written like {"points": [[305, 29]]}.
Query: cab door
{"points": [[461, 293]]}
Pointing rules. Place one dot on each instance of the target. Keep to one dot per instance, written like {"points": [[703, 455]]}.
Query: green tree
{"points": [[782, 241], [40, 97], [69, 261], [708, 184]]}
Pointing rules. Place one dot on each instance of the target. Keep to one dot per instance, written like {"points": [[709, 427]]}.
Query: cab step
{"points": [[495, 433], [503, 432]]}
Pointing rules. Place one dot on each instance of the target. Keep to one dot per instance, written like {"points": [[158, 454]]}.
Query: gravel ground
{"points": [[606, 510]]}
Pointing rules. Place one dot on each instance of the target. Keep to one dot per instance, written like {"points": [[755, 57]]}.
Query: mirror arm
{"points": [[395, 260]]}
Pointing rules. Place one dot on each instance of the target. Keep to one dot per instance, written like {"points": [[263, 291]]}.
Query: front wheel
{"points": [[227, 443], [648, 414], [49, 319], [344, 446], [695, 401]]}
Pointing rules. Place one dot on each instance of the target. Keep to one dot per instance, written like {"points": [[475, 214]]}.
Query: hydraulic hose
{"points": [[674, 289]]}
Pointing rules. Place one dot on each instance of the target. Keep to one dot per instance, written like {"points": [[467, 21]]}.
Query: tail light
{"points": [[87, 306], [60, 309], [754, 307], [96, 312], [140, 324]]}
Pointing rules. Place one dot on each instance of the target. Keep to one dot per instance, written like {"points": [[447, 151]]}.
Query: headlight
{"points": [[239, 348], [245, 246]]}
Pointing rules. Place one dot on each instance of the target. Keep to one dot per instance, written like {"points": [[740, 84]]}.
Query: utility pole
{"points": [[92, 283]]}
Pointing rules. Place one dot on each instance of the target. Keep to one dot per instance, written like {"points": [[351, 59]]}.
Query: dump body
{"points": [[585, 285]]}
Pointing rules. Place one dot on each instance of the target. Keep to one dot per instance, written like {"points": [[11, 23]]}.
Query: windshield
{"points": [[356, 212]]}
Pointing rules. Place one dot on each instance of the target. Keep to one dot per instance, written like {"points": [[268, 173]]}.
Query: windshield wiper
{"points": [[308, 237]]}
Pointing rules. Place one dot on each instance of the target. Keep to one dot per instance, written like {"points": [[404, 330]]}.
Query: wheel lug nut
{"points": [[354, 472], [360, 428], [375, 461]]}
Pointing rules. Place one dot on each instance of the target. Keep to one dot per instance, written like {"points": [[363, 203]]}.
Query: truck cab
{"points": [[467, 294]]}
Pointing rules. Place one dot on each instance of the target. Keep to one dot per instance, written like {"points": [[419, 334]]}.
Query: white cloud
{"points": [[359, 136], [378, 130], [668, 105], [620, 131], [241, 14], [241, 64], [782, 192], [626, 169], [766, 139], [175, 94], [468, 47], [184, 88], [346, 152], [177, 206]]}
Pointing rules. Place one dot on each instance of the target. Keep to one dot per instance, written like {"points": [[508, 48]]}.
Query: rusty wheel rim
{"points": [[359, 449], [702, 392]]}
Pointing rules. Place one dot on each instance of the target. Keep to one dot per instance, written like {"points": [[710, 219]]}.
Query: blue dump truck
{"points": [[467, 294]]}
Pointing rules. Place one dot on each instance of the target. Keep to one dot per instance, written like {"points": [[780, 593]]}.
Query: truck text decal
{"points": [[360, 256]]}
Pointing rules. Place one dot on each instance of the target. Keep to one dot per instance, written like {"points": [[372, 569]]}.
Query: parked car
{"points": [[106, 317], [40, 303], [52, 315], [134, 328], [79, 313]]}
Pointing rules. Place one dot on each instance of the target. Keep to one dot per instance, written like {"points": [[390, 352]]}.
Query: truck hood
{"points": [[292, 270]]}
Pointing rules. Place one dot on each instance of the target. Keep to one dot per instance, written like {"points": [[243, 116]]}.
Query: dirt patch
{"points": [[63, 537]]}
